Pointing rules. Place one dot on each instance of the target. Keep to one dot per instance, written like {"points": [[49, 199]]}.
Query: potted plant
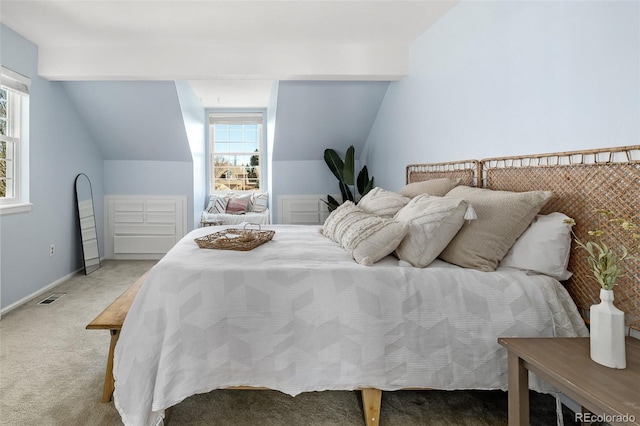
{"points": [[343, 170], [606, 259]]}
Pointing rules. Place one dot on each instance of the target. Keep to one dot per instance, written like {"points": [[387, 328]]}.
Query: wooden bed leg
{"points": [[109, 383], [371, 401]]}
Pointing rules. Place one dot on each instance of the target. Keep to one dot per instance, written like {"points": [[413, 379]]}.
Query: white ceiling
{"points": [[238, 93], [230, 50]]}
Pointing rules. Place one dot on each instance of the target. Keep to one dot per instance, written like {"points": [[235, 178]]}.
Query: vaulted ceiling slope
{"points": [[143, 121], [314, 115], [133, 120]]}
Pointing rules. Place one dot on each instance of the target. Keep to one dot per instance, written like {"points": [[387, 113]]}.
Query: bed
{"points": [[298, 314]]}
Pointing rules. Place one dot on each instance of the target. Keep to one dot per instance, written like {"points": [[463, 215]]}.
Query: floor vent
{"points": [[51, 298]]}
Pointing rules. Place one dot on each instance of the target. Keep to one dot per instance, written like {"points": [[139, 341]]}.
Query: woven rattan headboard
{"points": [[581, 181], [468, 171]]}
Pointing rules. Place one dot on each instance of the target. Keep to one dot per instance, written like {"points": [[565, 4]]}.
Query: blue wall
{"points": [[194, 123], [133, 120], [312, 116], [60, 148], [134, 177], [504, 78]]}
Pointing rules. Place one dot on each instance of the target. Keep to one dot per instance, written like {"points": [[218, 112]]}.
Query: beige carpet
{"points": [[52, 370]]}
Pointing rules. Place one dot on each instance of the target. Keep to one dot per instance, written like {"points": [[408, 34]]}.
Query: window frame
{"points": [[236, 118], [16, 86]]}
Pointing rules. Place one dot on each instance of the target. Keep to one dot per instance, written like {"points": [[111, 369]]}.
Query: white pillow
{"points": [[365, 236], [544, 247], [259, 201], [381, 202], [218, 203], [433, 222]]}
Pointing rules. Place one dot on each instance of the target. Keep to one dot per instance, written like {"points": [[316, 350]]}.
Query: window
{"points": [[14, 107], [235, 149]]}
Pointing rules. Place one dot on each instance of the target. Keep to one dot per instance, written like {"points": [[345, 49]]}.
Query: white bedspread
{"points": [[298, 314]]}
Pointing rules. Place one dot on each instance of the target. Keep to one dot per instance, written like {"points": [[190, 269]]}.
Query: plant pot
{"points": [[607, 332]]}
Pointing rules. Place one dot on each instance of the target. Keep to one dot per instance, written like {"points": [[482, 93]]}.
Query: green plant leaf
{"points": [[335, 163], [368, 187], [363, 180], [349, 165], [625, 253], [331, 203], [347, 195]]}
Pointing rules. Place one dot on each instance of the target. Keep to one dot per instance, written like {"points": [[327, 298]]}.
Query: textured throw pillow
{"points": [[259, 201], [237, 205], [437, 187], [249, 197], [381, 202], [433, 222], [544, 247], [218, 203], [502, 218], [365, 236]]}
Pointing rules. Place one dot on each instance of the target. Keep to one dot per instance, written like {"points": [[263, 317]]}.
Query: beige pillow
{"points": [[433, 222], [366, 237], [381, 202], [502, 217], [437, 187]]}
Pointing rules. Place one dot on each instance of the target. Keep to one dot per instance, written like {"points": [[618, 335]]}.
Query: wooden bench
{"points": [[111, 319]]}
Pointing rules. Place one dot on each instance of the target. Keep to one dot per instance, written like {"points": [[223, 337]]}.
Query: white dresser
{"points": [[143, 227], [302, 209]]}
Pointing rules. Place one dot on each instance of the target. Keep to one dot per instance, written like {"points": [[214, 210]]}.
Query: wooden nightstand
{"points": [[566, 364]]}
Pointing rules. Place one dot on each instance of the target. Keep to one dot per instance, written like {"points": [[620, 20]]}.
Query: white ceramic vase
{"points": [[607, 332]]}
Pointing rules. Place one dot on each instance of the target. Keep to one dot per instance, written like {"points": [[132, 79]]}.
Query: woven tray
{"points": [[235, 239]]}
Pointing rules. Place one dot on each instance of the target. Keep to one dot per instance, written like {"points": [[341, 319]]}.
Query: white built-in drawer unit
{"points": [[302, 209], [143, 227]]}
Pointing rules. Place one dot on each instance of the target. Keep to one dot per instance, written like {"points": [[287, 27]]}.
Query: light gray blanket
{"points": [[298, 314]]}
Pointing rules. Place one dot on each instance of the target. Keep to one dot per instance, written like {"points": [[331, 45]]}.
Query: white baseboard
{"points": [[139, 256], [34, 295]]}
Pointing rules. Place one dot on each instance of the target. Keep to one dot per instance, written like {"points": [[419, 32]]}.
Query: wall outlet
{"points": [[52, 250]]}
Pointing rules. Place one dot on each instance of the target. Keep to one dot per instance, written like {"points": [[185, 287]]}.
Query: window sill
{"points": [[15, 208]]}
